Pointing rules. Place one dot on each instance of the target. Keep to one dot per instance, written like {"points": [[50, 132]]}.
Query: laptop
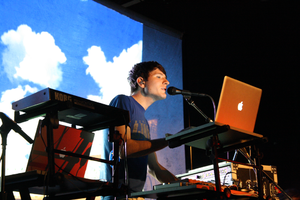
{"points": [[238, 107], [65, 139], [238, 104]]}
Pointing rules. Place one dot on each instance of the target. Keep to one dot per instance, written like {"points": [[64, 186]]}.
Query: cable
{"points": [[214, 106], [226, 175]]}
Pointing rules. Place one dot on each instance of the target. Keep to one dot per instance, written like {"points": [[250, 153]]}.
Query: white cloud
{"points": [[32, 56], [111, 76], [112, 80]]}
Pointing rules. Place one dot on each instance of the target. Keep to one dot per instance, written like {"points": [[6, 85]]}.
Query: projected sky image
{"points": [[78, 47]]}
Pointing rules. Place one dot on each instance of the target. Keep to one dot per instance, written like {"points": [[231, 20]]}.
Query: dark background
{"points": [[253, 41]]}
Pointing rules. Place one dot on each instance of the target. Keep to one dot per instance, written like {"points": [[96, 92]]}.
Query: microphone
{"points": [[8, 124], [173, 91]]}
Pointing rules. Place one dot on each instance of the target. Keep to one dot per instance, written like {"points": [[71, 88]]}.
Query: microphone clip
{"points": [[173, 91]]}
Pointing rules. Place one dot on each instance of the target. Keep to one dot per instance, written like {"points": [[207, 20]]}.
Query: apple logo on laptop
{"points": [[240, 106]]}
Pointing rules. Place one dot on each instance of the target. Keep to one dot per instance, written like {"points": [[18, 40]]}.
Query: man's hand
{"points": [[159, 172]]}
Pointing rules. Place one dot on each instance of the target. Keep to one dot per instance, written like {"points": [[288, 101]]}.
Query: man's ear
{"points": [[140, 82]]}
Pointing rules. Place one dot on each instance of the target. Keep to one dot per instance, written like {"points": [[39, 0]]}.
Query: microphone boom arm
{"points": [[192, 103], [8, 124]]}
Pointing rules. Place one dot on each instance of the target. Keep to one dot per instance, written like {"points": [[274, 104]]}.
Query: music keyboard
{"points": [[186, 182], [198, 136], [193, 189], [70, 108]]}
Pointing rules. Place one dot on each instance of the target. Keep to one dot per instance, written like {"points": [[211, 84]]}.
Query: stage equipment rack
{"points": [[215, 138], [56, 106]]}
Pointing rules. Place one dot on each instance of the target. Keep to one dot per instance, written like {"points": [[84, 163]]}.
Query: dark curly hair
{"points": [[142, 70]]}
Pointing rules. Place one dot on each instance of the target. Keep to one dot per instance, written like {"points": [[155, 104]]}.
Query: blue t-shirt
{"points": [[137, 167]]}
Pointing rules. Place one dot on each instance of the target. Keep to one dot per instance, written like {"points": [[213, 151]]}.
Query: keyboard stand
{"points": [[56, 106], [216, 138]]}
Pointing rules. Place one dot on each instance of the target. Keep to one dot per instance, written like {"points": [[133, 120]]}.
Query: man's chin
{"points": [[163, 97]]}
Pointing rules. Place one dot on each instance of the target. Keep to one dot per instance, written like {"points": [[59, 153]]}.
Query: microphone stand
{"points": [[192, 103], [215, 143], [4, 130], [4, 133]]}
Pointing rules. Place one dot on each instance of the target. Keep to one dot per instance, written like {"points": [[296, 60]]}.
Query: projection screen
{"points": [[84, 48]]}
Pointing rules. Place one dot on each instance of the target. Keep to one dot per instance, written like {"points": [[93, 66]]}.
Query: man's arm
{"points": [[137, 148], [158, 171]]}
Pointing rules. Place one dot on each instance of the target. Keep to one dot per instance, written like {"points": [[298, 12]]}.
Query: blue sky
{"points": [[75, 26], [78, 47]]}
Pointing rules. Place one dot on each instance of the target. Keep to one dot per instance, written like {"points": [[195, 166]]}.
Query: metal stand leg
{"points": [[24, 193], [51, 122], [115, 137], [259, 173], [4, 142], [213, 144], [215, 161]]}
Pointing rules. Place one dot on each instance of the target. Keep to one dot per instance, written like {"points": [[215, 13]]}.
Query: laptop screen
{"points": [[65, 139], [238, 104]]}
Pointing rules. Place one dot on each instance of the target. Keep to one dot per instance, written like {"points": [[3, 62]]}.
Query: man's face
{"points": [[156, 85]]}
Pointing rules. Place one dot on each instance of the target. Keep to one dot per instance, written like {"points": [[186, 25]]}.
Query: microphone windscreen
{"points": [[171, 90]]}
